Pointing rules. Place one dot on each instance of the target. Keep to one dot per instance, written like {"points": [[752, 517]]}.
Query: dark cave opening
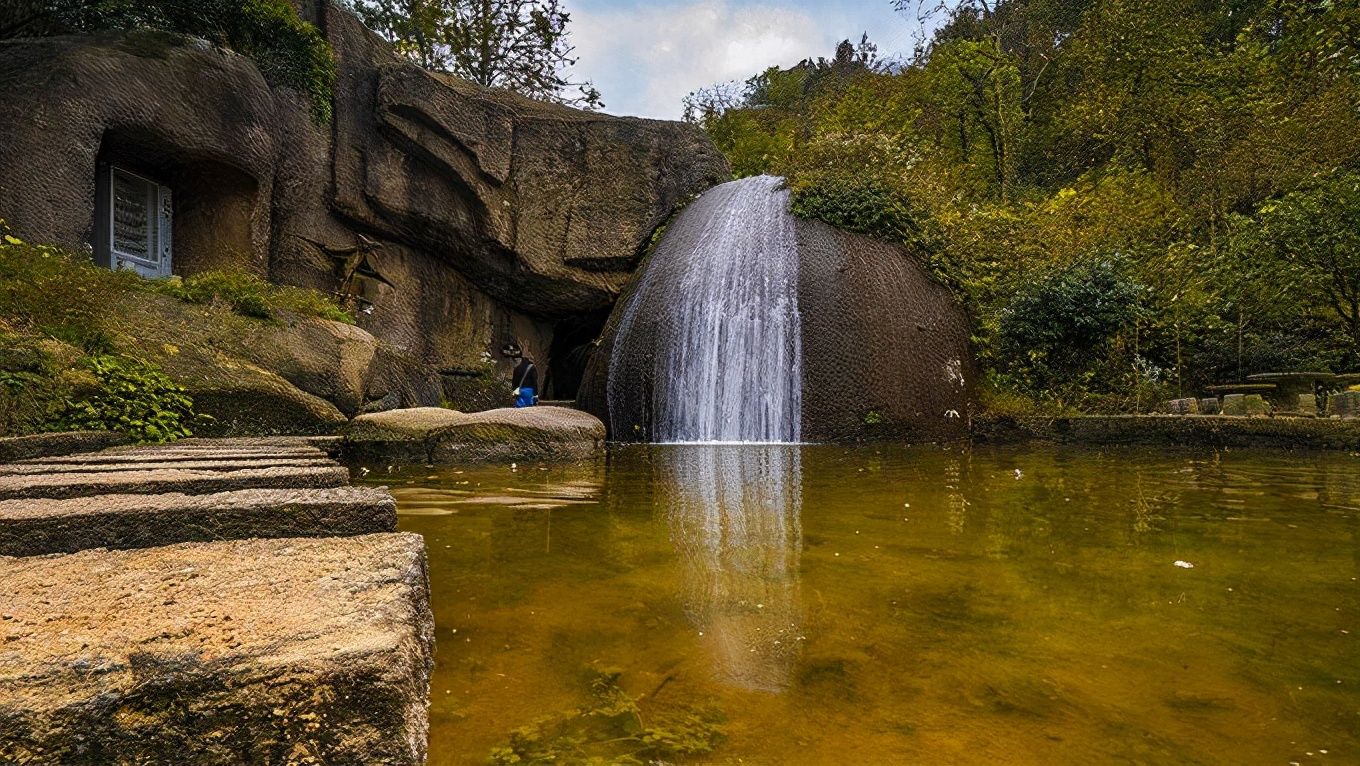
{"points": [[574, 340]]}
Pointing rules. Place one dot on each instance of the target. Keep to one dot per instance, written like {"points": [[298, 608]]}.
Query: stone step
{"points": [[261, 651], [183, 453], [36, 469], [64, 443], [189, 482], [42, 526]]}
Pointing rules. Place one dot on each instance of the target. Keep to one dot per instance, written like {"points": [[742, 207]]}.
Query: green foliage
{"points": [[611, 730], [131, 397], [1215, 146], [519, 45], [289, 51], [31, 386], [58, 294], [1060, 327], [249, 295]]}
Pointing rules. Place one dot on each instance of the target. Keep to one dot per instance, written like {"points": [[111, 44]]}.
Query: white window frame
{"points": [[164, 214]]}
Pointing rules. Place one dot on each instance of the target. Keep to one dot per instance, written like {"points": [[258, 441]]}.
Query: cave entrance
{"points": [[574, 340], [162, 210]]}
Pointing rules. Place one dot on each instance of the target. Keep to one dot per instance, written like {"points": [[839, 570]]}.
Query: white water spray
{"points": [[719, 304]]}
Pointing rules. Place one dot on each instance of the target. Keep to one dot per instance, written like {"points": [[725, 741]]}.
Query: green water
{"points": [[898, 605]]}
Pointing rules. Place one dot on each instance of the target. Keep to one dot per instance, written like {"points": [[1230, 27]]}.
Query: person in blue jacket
{"points": [[525, 377]]}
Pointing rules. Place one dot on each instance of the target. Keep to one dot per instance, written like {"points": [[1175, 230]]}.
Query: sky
{"points": [[646, 56]]}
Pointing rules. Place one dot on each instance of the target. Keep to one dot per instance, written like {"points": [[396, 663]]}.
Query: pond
{"points": [[884, 604]]}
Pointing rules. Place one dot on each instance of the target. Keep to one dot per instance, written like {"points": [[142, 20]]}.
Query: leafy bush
{"points": [[251, 296], [132, 397], [1060, 327], [289, 51]]}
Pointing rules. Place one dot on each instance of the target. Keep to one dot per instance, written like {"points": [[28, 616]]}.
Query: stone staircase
{"points": [[232, 594]]}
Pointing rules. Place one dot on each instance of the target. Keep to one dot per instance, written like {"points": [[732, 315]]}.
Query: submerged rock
{"points": [[256, 651], [438, 435]]}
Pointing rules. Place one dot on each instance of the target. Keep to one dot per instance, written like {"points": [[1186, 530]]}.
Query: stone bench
{"points": [[39, 526], [251, 651]]}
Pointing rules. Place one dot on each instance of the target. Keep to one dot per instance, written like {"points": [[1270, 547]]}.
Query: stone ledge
{"points": [[1217, 431], [36, 527], [202, 482], [254, 651], [14, 448]]}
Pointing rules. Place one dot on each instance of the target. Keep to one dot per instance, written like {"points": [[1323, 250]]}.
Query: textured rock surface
{"points": [[885, 349], [257, 651], [435, 435], [192, 482], [35, 527], [491, 217]]}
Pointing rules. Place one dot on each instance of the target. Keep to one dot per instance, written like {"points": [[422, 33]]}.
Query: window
{"points": [[135, 223]]}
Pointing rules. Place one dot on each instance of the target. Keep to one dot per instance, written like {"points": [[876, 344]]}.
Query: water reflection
{"points": [[734, 517]]}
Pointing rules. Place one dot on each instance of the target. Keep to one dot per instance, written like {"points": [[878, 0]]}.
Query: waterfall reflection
{"points": [[733, 513]]}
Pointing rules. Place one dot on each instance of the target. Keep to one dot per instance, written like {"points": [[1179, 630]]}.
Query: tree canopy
{"points": [[1211, 147], [519, 45]]}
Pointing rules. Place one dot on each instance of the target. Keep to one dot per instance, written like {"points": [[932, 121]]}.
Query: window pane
{"points": [[134, 217]]}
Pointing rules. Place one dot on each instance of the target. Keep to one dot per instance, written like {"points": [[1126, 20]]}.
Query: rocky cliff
{"points": [[482, 217]]}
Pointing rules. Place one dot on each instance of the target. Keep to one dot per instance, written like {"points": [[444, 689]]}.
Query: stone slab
{"points": [[254, 651], [37, 469], [155, 455], [14, 448], [36, 527], [435, 435], [189, 482]]}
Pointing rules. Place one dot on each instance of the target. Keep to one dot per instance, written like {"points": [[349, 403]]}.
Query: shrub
{"points": [[1060, 327], [58, 294], [132, 397], [251, 296]]}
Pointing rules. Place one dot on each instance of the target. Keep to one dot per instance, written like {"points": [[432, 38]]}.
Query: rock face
{"points": [[884, 348], [437, 435], [253, 651], [488, 217]]}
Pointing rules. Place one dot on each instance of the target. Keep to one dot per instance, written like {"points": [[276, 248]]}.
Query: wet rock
{"points": [[436, 435], [14, 448], [35, 527], [254, 651], [190, 482]]}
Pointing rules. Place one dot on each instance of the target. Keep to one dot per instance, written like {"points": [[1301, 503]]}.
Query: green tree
{"points": [[1316, 230], [518, 45]]}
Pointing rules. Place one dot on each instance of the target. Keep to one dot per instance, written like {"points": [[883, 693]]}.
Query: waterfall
{"points": [[710, 336]]}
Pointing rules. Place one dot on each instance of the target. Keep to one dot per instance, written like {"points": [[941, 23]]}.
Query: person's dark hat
{"points": [[511, 351]]}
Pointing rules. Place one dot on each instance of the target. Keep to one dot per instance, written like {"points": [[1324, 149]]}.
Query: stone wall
{"points": [[489, 216]]}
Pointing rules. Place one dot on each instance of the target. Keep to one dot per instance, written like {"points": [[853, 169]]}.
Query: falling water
{"points": [[711, 334]]}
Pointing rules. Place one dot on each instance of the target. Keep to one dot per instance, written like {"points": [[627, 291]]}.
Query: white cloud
{"points": [[646, 59]]}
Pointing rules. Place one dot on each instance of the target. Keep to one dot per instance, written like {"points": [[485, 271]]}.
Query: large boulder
{"points": [[254, 651], [437, 435], [884, 348], [488, 217]]}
